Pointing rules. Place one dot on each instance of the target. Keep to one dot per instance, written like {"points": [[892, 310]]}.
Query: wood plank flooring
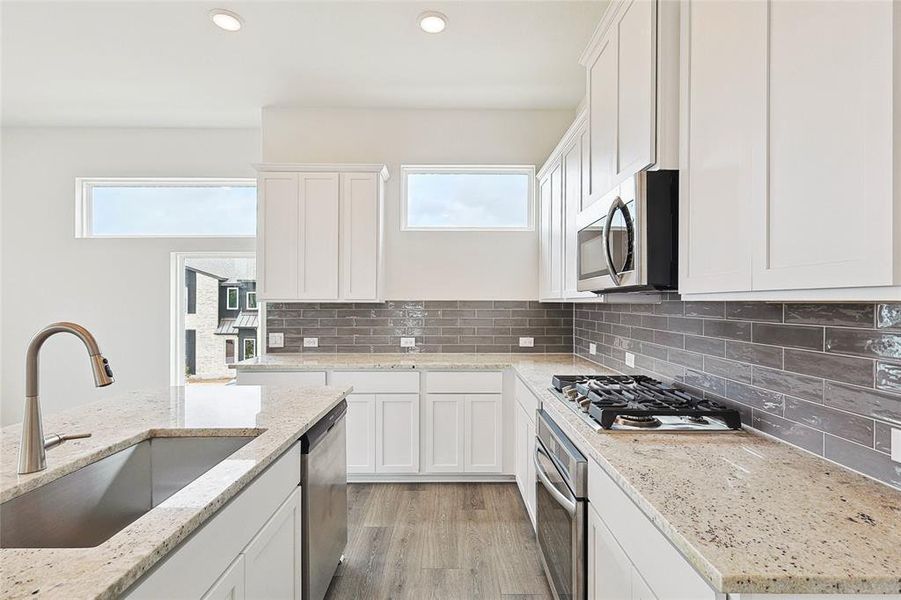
{"points": [[448, 541]]}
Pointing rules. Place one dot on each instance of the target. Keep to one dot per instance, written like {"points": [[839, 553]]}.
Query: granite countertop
{"points": [[277, 416], [750, 513]]}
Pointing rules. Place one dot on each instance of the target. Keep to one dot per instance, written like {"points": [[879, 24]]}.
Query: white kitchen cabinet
{"points": [[444, 439], [319, 232], [272, 560], [788, 180], [545, 260], [483, 433], [361, 433], [397, 433], [230, 586], [609, 569], [280, 377], [524, 451], [632, 86]]}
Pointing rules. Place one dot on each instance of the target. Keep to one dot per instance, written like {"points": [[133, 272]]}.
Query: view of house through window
{"points": [[221, 317]]}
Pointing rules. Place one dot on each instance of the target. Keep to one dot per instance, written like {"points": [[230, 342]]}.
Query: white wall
{"points": [[119, 289], [430, 265]]}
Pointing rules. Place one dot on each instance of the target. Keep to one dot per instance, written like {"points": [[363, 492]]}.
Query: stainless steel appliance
{"points": [[628, 240], [561, 501], [323, 501], [640, 403]]}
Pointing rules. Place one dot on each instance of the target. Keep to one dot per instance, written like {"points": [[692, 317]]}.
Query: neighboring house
{"points": [[221, 323]]}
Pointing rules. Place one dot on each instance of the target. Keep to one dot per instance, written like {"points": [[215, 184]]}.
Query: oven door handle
{"points": [[615, 204], [569, 505]]}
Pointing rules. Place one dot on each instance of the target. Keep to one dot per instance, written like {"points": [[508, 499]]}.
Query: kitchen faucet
{"points": [[32, 456]]}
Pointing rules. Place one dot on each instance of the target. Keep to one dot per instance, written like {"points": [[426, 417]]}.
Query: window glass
{"points": [[231, 298]]}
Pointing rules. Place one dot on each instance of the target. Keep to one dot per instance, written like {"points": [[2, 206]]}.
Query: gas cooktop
{"points": [[639, 403]]}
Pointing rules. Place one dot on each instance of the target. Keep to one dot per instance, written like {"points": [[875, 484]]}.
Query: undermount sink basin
{"points": [[87, 507]]}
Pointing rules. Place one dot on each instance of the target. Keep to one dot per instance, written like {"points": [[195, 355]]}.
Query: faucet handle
{"points": [[56, 439]]}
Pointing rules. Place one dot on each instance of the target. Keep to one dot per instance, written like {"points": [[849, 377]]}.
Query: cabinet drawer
{"points": [[378, 382], [526, 399], [478, 382], [663, 567], [281, 378]]}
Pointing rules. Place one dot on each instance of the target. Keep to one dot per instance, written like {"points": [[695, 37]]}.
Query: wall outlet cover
{"points": [[408, 342], [896, 445], [630, 359], [592, 348], [310, 342], [276, 340], [526, 342]]}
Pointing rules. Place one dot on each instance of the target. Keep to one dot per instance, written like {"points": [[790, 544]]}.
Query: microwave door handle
{"points": [[608, 255], [566, 503]]}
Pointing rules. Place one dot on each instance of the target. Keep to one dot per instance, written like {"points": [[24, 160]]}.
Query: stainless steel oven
{"points": [[628, 239], [560, 510]]}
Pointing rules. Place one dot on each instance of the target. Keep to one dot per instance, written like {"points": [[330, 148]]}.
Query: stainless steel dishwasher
{"points": [[323, 501]]}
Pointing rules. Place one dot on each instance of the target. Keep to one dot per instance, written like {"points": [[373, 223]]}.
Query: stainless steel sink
{"points": [[87, 507]]}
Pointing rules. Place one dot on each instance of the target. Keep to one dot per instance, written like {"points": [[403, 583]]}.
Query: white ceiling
{"points": [[159, 63]]}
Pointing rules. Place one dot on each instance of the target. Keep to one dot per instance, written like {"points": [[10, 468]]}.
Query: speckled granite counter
{"points": [[751, 514], [278, 416]]}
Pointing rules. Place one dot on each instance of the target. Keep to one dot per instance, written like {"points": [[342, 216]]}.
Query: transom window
{"points": [[165, 207], [467, 198]]}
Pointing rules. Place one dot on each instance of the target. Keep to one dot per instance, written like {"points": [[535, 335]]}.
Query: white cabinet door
{"points": [[524, 440], [231, 585], [826, 218], [280, 377], [318, 235], [640, 589], [483, 433], [360, 236], [272, 560], [723, 142], [544, 238], [397, 433], [572, 204], [609, 569], [556, 238], [636, 87], [602, 117], [444, 439], [361, 433], [277, 222]]}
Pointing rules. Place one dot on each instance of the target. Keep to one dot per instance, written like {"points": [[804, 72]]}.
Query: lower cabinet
{"points": [[524, 441], [272, 559], [231, 586], [611, 575], [397, 433], [464, 433]]}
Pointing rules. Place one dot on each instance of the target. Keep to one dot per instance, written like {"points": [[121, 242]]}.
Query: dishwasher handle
{"points": [[322, 427]]}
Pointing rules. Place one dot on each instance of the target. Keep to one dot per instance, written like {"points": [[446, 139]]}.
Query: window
{"points": [[229, 351], [231, 298], [165, 207], [250, 348], [463, 198], [251, 300]]}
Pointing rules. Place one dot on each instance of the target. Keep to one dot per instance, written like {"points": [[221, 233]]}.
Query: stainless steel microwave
{"points": [[628, 239]]}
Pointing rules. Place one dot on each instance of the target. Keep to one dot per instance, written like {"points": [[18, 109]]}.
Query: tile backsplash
{"points": [[825, 377], [438, 326]]}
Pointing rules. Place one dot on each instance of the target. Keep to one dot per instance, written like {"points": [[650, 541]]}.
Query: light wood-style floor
{"points": [[448, 541]]}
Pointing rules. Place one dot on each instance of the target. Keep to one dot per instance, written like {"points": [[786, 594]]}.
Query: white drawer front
{"points": [[475, 382], [662, 566], [526, 399], [281, 377], [378, 382]]}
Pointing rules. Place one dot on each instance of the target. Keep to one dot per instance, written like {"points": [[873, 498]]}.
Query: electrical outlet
{"points": [[310, 342], [592, 348], [896, 445], [526, 342], [630, 359], [276, 340], [408, 342]]}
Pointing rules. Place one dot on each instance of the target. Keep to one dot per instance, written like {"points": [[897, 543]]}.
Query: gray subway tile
{"points": [[686, 325], [864, 342], [864, 460], [476, 304], [755, 397], [646, 335], [511, 304], [888, 377], [669, 338], [685, 358], [793, 384], [872, 403], [845, 315], [789, 431], [767, 356], [754, 311], [849, 426], [705, 381], [728, 369], [669, 308], [668, 370], [888, 316], [705, 345], [654, 322], [733, 330], [710, 310], [653, 350], [792, 336], [830, 366]]}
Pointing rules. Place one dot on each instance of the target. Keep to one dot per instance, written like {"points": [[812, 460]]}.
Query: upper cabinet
{"points": [[319, 232], [632, 85], [789, 150]]}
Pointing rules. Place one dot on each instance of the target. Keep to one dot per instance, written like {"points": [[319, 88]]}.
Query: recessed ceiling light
{"points": [[226, 19], [432, 22]]}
